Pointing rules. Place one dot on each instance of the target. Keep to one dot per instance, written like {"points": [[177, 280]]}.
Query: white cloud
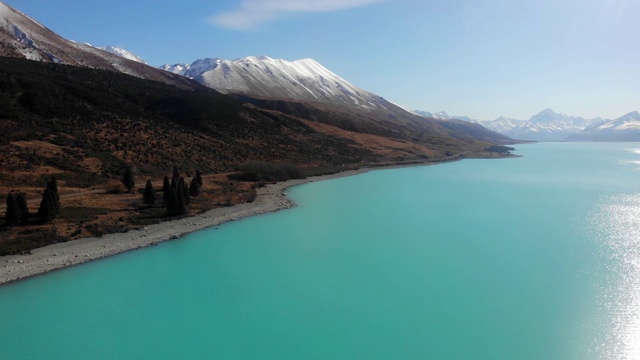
{"points": [[253, 13]]}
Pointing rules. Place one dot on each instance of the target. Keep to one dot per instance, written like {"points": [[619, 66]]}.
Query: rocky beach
{"points": [[58, 256]]}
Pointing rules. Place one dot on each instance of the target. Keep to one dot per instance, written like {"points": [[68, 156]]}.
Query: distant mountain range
{"points": [[624, 128], [442, 115], [548, 125]]}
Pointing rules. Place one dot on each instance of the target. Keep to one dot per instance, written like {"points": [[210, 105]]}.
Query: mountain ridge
{"points": [[547, 125], [122, 53], [281, 85], [25, 38], [262, 76], [624, 128]]}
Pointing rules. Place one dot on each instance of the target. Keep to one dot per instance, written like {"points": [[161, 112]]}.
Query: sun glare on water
{"points": [[618, 226]]}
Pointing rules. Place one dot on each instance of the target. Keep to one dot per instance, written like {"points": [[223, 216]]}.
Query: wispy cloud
{"points": [[253, 13]]}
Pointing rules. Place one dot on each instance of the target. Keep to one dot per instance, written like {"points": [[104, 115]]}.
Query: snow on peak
{"points": [[9, 15], [22, 29], [122, 53], [624, 128], [442, 115], [303, 79], [632, 116], [194, 69]]}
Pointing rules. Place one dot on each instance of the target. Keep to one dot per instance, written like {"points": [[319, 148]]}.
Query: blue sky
{"points": [[481, 58]]}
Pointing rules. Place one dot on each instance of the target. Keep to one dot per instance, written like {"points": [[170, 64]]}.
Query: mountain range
{"points": [[624, 128], [304, 88], [442, 115], [317, 119], [548, 125]]}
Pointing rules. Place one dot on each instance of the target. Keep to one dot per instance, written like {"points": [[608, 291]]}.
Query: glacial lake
{"points": [[535, 257]]}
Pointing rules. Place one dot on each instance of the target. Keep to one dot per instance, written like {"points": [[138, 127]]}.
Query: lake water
{"points": [[526, 258]]}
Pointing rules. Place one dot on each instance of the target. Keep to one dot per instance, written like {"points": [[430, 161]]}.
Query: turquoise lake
{"points": [[535, 257]]}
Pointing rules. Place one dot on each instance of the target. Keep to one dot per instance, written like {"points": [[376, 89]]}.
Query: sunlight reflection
{"points": [[635, 163], [618, 224]]}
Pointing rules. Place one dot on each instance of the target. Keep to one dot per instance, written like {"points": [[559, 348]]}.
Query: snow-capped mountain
{"points": [[624, 128], [23, 37], [442, 115], [306, 89], [548, 125], [263, 76], [502, 124], [194, 69], [436, 115], [122, 53]]}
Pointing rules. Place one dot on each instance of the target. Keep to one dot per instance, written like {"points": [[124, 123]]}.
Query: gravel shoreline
{"points": [[58, 256]]}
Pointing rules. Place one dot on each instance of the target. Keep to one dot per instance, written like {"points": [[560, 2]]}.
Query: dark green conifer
{"points": [[194, 187], [52, 185], [171, 201], [47, 210], [185, 190], [149, 195], [166, 189], [12, 215], [176, 175], [181, 201], [21, 199], [199, 178], [127, 180]]}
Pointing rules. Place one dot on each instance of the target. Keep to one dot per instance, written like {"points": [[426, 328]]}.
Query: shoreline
{"points": [[271, 198]]}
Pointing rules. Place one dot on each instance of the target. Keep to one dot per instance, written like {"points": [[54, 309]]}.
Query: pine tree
{"points": [[12, 216], [176, 175], [128, 180], [199, 178], [149, 196], [52, 185], [194, 187], [171, 201], [181, 201], [47, 210], [166, 189], [21, 199], [185, 190]]}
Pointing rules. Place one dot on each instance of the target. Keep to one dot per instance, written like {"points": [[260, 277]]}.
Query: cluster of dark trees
{"points": [[505, 150], [17, 213], [176, 194], [17, 210]]}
